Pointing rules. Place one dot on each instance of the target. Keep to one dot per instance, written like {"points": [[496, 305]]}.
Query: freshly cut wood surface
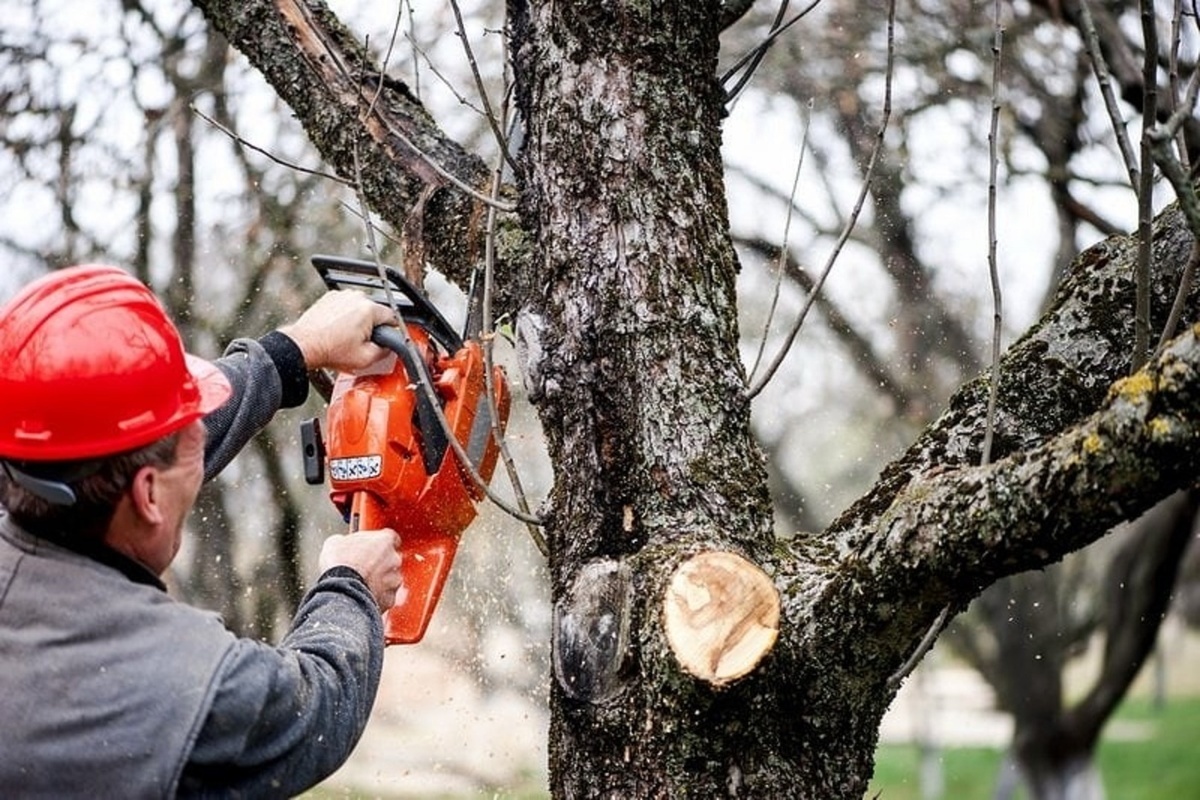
{"points": [[722, 616]]}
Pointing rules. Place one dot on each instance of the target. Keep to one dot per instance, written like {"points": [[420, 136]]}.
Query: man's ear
{"points": [[144, 493]]}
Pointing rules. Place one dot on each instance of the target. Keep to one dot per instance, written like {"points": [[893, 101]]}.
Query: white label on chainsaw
{"points": [[355, 469]]}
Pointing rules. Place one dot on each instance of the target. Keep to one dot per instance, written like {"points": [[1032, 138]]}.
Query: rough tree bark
{"points": [[627, 305]]}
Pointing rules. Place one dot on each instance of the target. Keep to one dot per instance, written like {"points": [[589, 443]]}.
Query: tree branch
{"points": [[966, 528], [1072, 457], [327, 77], [1057, 374]]}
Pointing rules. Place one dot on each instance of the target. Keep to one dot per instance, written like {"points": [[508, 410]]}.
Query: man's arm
{"points": [[266, 375], [271, 373], [283, 718]]}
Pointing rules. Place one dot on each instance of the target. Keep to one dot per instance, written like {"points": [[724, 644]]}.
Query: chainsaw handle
{"points": [[339, 272], [434, 443]]}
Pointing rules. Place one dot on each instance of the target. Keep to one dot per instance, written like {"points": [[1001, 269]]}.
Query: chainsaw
{"points": [[389, 457]]}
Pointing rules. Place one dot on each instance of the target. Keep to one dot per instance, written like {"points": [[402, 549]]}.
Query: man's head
{"points": [[96, 389]]}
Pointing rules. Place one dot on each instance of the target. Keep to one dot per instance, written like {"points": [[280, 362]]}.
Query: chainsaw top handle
{"points": [[351, 273], [434, 442]]}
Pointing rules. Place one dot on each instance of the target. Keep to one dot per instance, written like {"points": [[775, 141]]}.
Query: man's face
{"points": [[179, 485]]}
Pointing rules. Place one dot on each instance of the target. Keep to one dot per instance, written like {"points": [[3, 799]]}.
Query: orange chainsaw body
{"points": [[390, 466]]}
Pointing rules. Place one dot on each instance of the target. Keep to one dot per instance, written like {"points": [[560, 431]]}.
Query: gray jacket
{"points": [[110, 688]]}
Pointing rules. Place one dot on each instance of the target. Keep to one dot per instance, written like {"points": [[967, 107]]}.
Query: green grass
{"points": [[1164, 765]]}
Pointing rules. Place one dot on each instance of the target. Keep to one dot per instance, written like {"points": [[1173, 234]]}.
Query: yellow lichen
{"points": [[1134, 388], [1160, 428], [1092, 443]]}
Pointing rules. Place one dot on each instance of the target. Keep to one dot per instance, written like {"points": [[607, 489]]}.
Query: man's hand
{"points": [[373, 554], [335, 332]]}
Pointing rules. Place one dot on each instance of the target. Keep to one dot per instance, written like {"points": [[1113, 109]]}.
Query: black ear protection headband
{"points": [[53, 489]]}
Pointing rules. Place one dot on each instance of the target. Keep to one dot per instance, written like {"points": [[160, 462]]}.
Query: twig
{"points": [[531, 521], [450, 87], [754, 57], [1100, 67], [387, 57], [1173, 76], [257, 149], [781, 259], [755, 389], [926, 642], [876, 368], [354, 211], [1145, 188], [410, 36], [993, 268], [1181, 295], [494, 123]]}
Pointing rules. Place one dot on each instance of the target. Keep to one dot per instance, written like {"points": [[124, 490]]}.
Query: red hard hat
{"points": [[92, 366]]}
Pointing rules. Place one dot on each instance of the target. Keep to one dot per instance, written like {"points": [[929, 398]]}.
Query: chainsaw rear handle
{"points": [[433, 435]]}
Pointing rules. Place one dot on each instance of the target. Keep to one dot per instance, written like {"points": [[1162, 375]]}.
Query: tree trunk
{"points": [[641, 391], [1054, 776]]}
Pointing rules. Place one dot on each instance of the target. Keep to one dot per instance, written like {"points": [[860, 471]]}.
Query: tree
{"points": [[619, 263], [1022, 633]]}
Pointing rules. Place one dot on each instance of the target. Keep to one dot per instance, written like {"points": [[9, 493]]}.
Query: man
{"points": [[109, 687]]}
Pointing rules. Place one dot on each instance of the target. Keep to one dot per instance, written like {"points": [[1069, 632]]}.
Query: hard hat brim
{"points": [[214, 387]]}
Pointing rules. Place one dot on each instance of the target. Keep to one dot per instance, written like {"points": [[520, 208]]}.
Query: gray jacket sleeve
{"points": [[266, 374], [284, 718]]}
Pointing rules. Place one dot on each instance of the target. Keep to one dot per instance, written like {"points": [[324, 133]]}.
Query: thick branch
{"points": [[346, 106], [966, 528], [1056, 375], [1071, 460]]}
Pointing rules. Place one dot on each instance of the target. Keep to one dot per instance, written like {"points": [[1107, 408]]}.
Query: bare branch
{"points": [[750, 61], [1104, 79], [251, 146], [782, 257], [993, 269], [493, 122], [756, 388], [863, 354], [1145, 186]]}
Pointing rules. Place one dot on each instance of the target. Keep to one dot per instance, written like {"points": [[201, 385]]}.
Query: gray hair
{"points": [[97, 493]]}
